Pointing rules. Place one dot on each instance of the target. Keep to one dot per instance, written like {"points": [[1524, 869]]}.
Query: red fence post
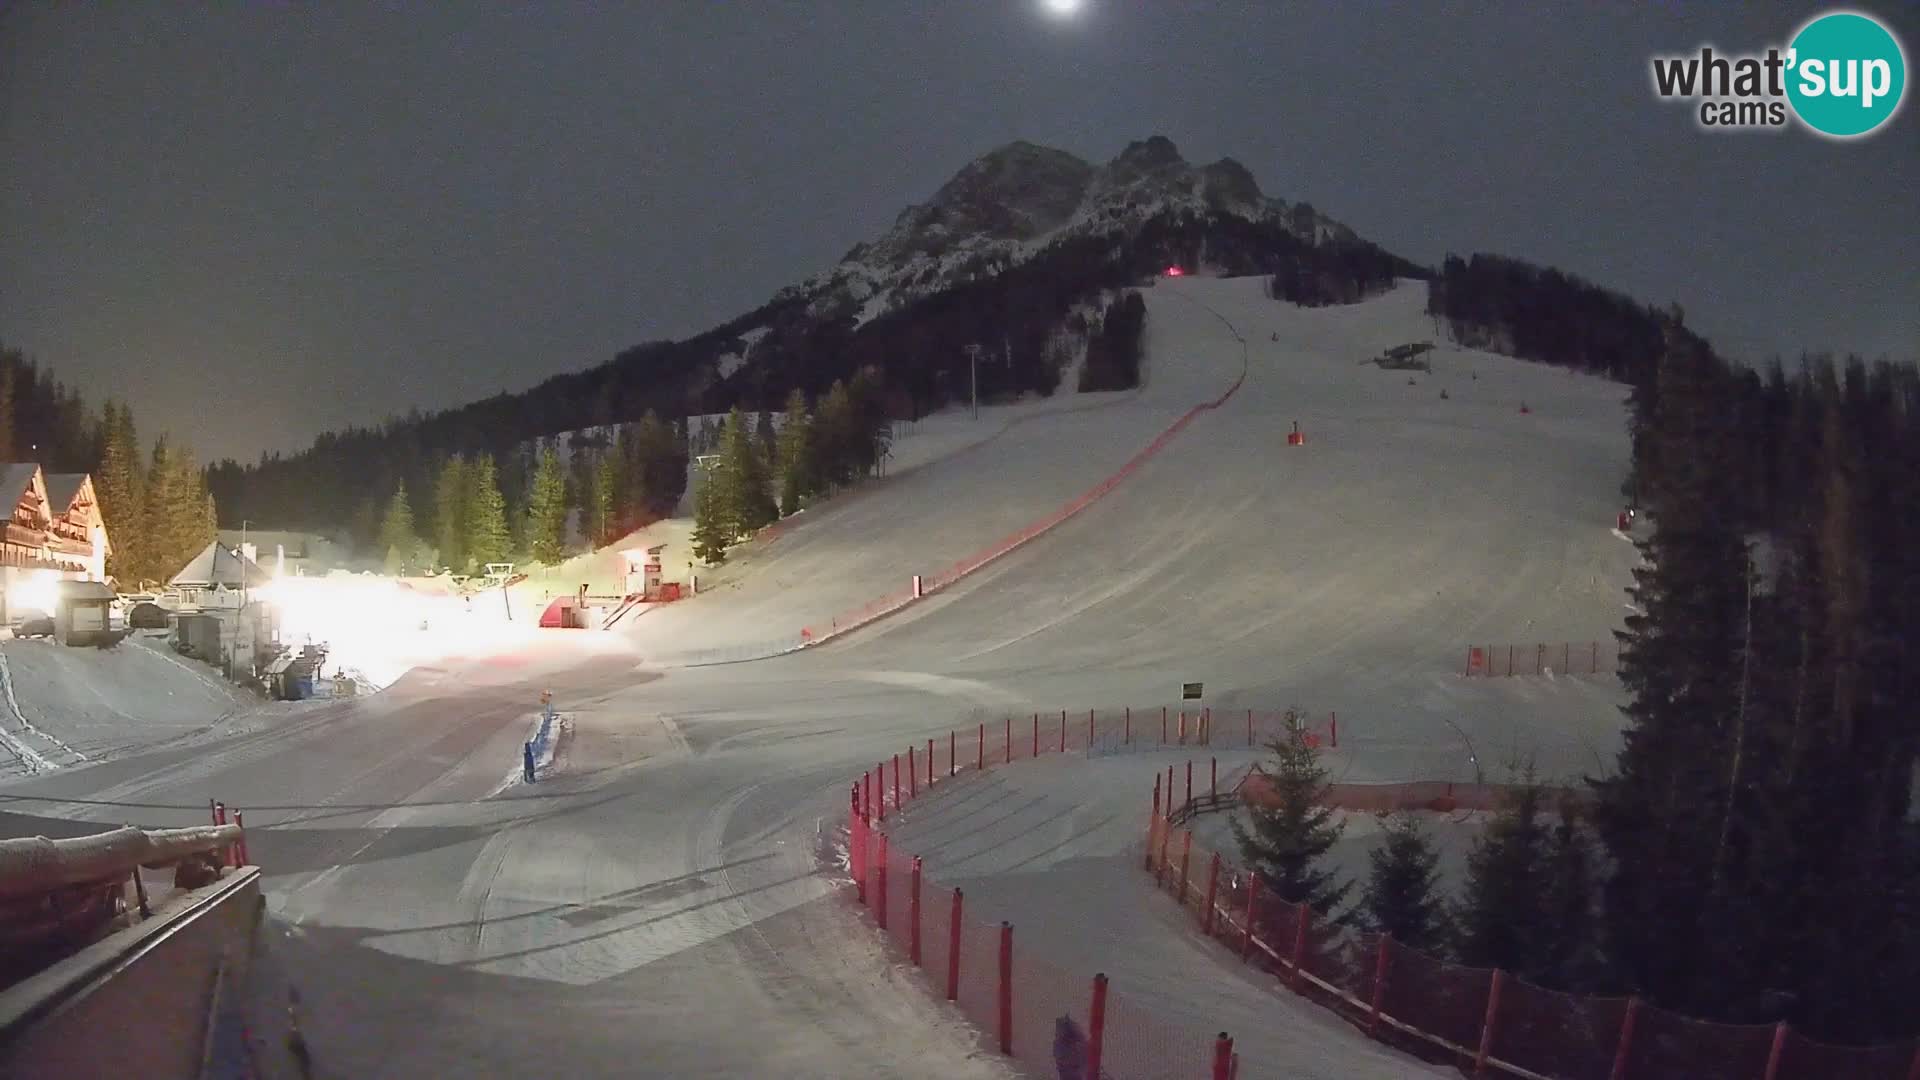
{"points": [[1166, 837], [930, 762], [1213, 776], [913, 776], [1183, 727], [1063, 731], [1913, 1071], [1300, 944], [1333, 723], [880, 787], [953, 949], [213, 812], [1169, 791], [880, 884], [866, 794], [856, 846], [1249, 729], [1779, 1047], [1509, 661], [219, 813], [1089, 730], [1186, 864], [1379, 983], [1036, 734], [980, 750], [1625, 1046], [1006, 988], [953, 753], [1163, 725], [1096, 1025], [896, 780], [1213, 887], [1009, 738], [1189, 780], [1222, 1057], [240, 846], [913, 914], [1129, 729], [1253, 913], [1488, 1026]]}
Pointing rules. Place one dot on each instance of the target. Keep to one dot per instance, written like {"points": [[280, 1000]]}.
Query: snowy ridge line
{"points": [[29, 757], [876, 610]]}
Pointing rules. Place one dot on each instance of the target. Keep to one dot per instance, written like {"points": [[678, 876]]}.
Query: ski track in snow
{"points": [[662, 901]]}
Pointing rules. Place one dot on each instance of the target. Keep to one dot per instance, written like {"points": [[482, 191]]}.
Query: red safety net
{"points": [[1667, 1044], [1516, 658], [1558, 1034], [1802, 1058]]}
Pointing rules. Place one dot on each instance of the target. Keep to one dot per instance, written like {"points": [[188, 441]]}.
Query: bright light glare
{"points": [[380, 628], [1061, 8], [36, 591]]}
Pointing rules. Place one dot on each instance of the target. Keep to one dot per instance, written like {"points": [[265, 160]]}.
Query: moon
{"points": [[1061, 9]]}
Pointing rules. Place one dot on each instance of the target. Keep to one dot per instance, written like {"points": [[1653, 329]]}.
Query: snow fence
{"points": [[1487, 1022]]}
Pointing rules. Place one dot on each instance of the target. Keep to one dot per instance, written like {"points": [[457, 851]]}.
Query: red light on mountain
{"points": [[1174, 271]]}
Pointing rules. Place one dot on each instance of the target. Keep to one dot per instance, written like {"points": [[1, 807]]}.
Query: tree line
{"points": [[1022, 317], [1753, 854], [760, 476], [154, 501], [468, 511]]}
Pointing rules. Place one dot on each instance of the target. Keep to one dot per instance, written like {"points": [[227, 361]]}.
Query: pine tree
{"points": [[712, 529], [1285, 839], [117, 484], [763, 434], [1660, 815], [1570, 958], [795, 454], [833, 438], [744, 474], [547, 511], [450, 514], [487, 538], [1401, 898], [397, 537], [1501, 918], [602, 509]]}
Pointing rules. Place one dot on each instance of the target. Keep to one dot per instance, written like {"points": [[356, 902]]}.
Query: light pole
{"points": [[973, 358]]}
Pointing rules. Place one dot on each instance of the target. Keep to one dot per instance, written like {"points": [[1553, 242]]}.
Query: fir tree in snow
{"points": [[450, 514], [744, 478], [547, 510], [1285, 839], [602, 510], [1402, 897], [795, 454], [712, 529], [118, 485], [397, 537], [488, 540], [1502, 919]]}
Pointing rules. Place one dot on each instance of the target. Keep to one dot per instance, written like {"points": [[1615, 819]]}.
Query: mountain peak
{"points": [[1009, 203]]}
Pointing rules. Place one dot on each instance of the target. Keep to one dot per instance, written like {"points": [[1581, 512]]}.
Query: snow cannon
{"points": [[1294, 438], [1620, 521]]}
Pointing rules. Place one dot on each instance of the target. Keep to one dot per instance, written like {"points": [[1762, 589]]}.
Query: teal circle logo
{"points": [[1846, 74]]}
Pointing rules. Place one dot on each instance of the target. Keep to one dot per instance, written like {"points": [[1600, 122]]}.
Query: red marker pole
{"points": [[1129, 737], [1213, 888], [913, 913], [953, 750], [1009, 739], [1096, 1025], [896, 780], [1488, 1028], [1006, 988], [1036, 734], [1163, 725], [1379, 982], [913, 775], [1333, 722], [929, 762], [1189, 780], [1222, 1058], [953, 949], [980, 749], [1063, 731]]}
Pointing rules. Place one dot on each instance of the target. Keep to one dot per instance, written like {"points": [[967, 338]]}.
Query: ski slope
{"points": [[667, 904]]}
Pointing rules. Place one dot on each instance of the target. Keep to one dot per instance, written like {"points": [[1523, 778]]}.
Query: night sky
{"points": [[259, 221]]}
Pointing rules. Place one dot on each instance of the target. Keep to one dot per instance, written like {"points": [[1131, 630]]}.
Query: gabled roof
{"points": [[215, 565], [15, 479], [63, 488]]}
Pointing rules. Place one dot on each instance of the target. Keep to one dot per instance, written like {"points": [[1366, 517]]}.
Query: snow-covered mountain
{"points": [[1014, 202]]}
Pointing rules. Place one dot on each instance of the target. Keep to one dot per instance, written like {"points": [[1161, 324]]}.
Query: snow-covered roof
{"points": [[215, 565], [16, 478], [63, 488]]}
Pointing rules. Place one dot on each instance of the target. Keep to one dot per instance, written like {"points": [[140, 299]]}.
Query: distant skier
{"points": [[1443, 393]]}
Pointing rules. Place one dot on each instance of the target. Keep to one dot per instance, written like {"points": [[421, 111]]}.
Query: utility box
{"points": [[82, 612]]}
